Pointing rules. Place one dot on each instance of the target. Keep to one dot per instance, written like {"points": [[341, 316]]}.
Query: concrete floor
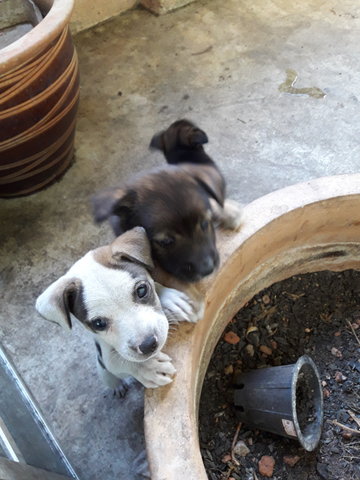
{"points": [[220, 64]]}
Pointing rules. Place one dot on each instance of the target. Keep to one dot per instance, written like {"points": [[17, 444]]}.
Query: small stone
{"points": [[266, 299], [232, 338], [326, 392], [340, 377], [226, 458], [250, 350], [328, 437], [322, 470], [265, 350], [354, 365], [307, 330], [336, 352], [335, 449], [291, 460], [266, 466], [229, 370], [241, 449], [348, 386], [337, 334]]}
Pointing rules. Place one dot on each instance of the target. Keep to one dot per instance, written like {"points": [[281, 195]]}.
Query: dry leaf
{"points": [[232, 338]]}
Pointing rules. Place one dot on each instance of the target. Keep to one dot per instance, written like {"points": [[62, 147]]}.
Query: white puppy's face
{"points": [[110, 292]]}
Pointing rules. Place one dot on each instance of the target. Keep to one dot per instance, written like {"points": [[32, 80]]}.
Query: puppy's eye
{"points": [[142, 290], [204, 225], [165, 241], [99, 324]]}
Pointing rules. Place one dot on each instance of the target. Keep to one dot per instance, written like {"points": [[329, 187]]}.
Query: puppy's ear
{"points": [[181, 133], [210, 180], [193, 136], [213, 185], [132, 246], [59, 300], [157, 141], [115, 201]]}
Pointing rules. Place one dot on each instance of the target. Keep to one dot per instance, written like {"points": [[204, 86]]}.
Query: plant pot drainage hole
{"points": [[315, 315]]}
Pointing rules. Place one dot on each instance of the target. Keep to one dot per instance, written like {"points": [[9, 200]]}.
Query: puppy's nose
{"points": [[207, 266], [149, 345]]}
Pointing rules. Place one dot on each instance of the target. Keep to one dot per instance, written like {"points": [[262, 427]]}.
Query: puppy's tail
{"points": [[115, 204], [104, 203]]}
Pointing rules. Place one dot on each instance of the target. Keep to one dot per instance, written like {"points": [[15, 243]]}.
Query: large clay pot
{"points": [[39, 92], [303, 228]]}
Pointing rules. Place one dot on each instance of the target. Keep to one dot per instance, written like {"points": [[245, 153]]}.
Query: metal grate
{"points": [[24, 435]]}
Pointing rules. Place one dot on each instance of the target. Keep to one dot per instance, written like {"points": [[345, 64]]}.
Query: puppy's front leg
{"points": [[119, 384], [107, 377], [155, 372], [178, 306]]}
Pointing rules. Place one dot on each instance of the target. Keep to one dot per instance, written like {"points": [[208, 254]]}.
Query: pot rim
{"points": [[33, 42], [171, 412]]}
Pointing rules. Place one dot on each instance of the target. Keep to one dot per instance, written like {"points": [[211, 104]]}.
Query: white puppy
{"points": [[111, 292]]}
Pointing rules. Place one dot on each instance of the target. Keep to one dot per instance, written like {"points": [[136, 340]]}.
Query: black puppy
{"points": [[176, 204]]}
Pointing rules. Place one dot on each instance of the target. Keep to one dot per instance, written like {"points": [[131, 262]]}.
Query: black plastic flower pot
{"points": [[285, 400]]}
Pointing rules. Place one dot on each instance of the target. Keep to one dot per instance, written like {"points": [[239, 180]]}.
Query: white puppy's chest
{"points": [[111, 360]]}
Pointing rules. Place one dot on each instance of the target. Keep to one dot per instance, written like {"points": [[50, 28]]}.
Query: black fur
{"points": [[172, 203]]}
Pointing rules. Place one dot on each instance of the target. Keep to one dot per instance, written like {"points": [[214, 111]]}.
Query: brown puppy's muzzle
{"points": [[191, 266], [192, 272]]}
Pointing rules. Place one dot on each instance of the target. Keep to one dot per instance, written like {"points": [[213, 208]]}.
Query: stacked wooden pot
{"points": [[39, 92]]}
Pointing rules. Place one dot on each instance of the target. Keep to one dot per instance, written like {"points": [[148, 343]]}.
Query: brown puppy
{"points": [[174, 203]]}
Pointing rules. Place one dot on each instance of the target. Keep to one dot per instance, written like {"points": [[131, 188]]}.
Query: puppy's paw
{"points": [[178, 306], [123, 386], [231, 217], [141, 466], [155, 372]]}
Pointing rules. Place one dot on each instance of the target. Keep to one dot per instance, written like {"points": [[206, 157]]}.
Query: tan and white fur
{"points": [[111, 292]]}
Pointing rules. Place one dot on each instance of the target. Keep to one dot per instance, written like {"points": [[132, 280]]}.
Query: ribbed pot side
{"points": [[39, 94], [304, 228]]}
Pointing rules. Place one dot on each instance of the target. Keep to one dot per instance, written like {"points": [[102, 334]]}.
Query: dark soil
{"points": [[316, 314]]}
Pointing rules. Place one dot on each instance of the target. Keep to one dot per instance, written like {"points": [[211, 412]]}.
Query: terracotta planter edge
{"points": [[36, 40], [302, 228]]}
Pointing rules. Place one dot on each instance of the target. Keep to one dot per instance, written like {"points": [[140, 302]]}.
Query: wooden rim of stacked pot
{"points": [[58, 13]]}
